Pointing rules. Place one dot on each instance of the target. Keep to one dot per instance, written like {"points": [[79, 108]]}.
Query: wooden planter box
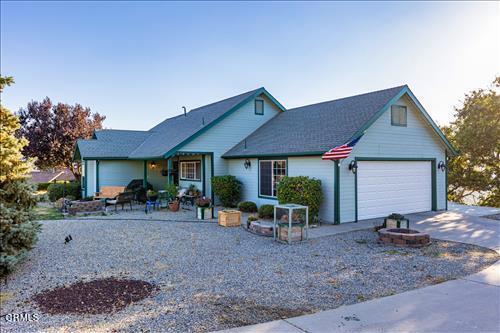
{"points": [[229, 218]]}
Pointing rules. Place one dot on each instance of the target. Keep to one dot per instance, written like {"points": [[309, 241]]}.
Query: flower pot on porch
{"points": [[204, 213], [173, 206]]}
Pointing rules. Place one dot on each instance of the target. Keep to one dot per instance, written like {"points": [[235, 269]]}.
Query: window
{"points": [[398, 115], [270, 174], [259, 107], [191, 170]]}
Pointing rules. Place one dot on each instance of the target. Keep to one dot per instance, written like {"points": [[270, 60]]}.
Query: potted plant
{"points": [[396, 220], [203, 208], [173, 202], [192, 189]]}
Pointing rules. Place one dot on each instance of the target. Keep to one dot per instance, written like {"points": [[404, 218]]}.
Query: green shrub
{"points": [[247, 207], [301, 190], [171, 190], [266, 211], [58, 190], [227, 189], [43, 186], [18, 230]]}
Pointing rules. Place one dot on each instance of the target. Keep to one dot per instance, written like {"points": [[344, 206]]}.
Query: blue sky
{"points": [[140, 62]]}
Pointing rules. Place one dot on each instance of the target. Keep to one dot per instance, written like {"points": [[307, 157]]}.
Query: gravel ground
{"points": [[211, 278]]}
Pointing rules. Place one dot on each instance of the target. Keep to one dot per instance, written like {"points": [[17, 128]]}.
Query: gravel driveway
{"points": [[210, 278]]}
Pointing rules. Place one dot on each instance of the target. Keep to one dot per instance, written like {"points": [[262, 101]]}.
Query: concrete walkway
{"points": [[470, 304]]}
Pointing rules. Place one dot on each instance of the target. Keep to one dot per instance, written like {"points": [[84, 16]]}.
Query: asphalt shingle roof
{"points": [[314, 128], [173, 131], [161, 138], [112, 143]]}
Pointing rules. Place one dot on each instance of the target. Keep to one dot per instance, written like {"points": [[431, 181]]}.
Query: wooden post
{"points": [[145, 179], [170, 175]]}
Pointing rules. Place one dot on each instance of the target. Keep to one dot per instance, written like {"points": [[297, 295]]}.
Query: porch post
{"points": [[336, 198], [145, 178], [211, 176], [97, 176], [203, 178], [169, 167]]}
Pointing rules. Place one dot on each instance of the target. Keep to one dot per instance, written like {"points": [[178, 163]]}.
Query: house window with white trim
{"points": [[270, 174], [398, 115], [190, 170]]}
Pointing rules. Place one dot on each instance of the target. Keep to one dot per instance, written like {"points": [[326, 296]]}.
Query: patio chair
{"points": [[121, 199]]}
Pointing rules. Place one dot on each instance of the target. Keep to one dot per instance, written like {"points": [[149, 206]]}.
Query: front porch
{"points": [[184, 169]]}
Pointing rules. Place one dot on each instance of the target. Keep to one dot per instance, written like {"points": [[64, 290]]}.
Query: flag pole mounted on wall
{"points": [[337, 154]]}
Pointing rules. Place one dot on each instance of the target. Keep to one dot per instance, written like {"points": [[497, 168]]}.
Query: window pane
{"points": [[279, 171], [198, 170], [265, 173], [259, 107], [402, 116], [191, 170]]}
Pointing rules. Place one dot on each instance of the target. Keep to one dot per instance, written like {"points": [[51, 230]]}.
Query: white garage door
{"points": [[393, 187]]}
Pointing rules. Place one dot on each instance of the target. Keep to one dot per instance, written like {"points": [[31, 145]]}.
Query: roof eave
{"points": [[293, 154]]}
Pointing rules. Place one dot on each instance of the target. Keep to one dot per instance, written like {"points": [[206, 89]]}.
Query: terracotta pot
{"points": [[173, 206]]}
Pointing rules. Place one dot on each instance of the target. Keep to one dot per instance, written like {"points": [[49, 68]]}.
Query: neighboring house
{"points": [[48, 176], [253, 137]]}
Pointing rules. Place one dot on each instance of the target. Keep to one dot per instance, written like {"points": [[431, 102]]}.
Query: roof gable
{"points": [[171, 134], [316, 128]]}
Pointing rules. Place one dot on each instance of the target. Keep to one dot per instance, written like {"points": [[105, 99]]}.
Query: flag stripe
{"points": [[341, 151]]}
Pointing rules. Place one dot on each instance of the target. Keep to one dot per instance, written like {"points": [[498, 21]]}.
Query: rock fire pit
{"points": [[263, 228], [404, 237]]}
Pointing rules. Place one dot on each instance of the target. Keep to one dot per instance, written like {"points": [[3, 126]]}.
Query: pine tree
{"points": [[18, 231]]}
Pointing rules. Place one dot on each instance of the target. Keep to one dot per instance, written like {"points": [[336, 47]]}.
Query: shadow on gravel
{"points": [[235, 312]]}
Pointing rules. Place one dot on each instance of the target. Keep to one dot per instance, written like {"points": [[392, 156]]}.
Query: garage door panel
{"points": [[386, 187]]}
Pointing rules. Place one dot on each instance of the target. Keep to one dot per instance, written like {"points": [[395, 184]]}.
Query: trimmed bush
{"points": [[301, 190], [252, 218], [247, 207], [227, 189], [58, 190], [266, 211], [43, 186]]}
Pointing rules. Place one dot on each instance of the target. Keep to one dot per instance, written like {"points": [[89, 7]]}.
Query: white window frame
{"points": [[184, 174], [273, 182]]}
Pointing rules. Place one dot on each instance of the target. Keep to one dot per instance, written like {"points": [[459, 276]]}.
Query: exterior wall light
{"points": [[353, 166], [152, 165], [247, 164], [441, 166]]}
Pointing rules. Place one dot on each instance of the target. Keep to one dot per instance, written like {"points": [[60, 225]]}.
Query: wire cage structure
{"points": [[291, 223]]}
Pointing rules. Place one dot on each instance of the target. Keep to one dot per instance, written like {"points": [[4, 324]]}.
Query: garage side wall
{"points": [[382, 140]]}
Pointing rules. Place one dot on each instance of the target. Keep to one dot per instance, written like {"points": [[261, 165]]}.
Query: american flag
{"points": [[341, 152]]}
